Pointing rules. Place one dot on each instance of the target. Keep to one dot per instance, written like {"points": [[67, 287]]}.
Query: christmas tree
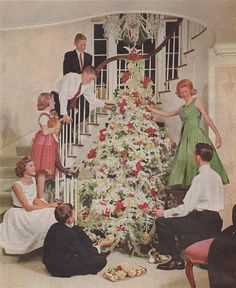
{"points": [[131, 163]]}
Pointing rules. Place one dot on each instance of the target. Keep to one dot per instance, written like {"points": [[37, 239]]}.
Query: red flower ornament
{"points": [[151, 132], [124, 154], [135, 94], [120, 228], [133, 56], [102, 169], [155, 142], [131, 195], [122, 110], [103, 130], [102, 137], [140, 142], [130, 125], [125, 77], [153, 193], [92, 153], [106, 212], [138, 169], [119, 207], [138, 101], [146, 81], [85, 214], [122, 103], [143, 206]]}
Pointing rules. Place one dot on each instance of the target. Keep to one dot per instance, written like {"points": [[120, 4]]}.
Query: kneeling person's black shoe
{"points": [[173, 264]]}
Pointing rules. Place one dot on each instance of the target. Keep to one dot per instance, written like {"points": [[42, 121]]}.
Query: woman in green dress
{"points": [[184, 168]]}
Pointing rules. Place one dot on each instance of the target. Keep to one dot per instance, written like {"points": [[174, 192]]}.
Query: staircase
{"points": [[74, 147], [7, 176]]}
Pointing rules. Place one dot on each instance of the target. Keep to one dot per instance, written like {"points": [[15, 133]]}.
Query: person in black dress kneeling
{"points": [[67, 249]]}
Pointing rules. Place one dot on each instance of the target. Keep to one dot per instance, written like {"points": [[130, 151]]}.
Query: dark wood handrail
{"points": [[144, 56], [197, 35]]}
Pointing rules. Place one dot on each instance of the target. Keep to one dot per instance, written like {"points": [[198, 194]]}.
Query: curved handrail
{"points": [[144, 56]]}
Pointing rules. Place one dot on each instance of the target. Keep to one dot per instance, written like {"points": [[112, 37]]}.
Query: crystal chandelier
{"points": [[132, 28]]}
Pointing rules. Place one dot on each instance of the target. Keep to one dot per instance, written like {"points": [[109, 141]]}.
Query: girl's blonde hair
{"points": [[185, 83], [43, 101]]}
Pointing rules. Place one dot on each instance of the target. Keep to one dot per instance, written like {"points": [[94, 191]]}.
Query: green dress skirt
{"points": [[184, 167]]}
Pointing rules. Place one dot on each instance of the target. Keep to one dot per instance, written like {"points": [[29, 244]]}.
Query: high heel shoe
{"points": [[151, 253], [155, 257]]}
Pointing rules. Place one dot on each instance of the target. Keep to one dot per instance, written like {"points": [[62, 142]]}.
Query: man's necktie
{"points": [[73, 101], [81, 62]]}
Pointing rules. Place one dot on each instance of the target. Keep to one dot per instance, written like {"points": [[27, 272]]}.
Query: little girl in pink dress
{"points": [[44, 150]]}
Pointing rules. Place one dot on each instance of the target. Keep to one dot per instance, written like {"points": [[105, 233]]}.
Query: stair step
{"points": [[93, 124], [182, 65], [6, 183], [197, 35], [163, 91], [78, 145], [23, 150], [5, 200], [9, 161], [190, 51], [101, 114], [10, 259], [172, 79], [85, 134], [7, 172]]}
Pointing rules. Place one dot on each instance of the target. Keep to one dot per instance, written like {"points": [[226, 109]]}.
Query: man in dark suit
{"points": [[76, 60]]}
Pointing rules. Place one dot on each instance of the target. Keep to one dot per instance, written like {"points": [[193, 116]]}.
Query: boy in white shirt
{"points": [[72, 86]]}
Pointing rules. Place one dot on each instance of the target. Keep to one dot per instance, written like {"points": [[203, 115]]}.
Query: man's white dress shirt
{"points": [[68, 86], [205, 193]]}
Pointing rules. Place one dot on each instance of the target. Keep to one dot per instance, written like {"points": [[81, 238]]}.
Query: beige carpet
{"points": [[29, 272]]}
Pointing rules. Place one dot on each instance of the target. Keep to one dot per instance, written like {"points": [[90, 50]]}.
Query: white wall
{"points": [[31, 62], [196, 71], [222, 108]]}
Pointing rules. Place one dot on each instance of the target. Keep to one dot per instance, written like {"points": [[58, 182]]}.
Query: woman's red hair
{"points": [[185, 83]]}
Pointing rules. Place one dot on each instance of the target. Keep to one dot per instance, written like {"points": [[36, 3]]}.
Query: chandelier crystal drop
{"points": [[132, 28]]}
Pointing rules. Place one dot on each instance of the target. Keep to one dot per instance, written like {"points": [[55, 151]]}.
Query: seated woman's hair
{"points": [[204, 150], [21, 165], [63, 212]]}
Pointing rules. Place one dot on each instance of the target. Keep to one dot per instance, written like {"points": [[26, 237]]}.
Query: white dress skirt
{"points": [[21, 231]]}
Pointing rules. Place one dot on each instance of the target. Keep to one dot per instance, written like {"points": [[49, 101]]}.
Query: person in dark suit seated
{"points": [[222, 258], [197, 218], [76, 60], [67, 250]]}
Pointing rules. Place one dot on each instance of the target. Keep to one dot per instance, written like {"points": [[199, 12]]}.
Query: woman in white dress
{"points": [[26, 223]]}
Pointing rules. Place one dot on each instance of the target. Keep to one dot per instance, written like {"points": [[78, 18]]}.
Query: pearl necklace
{"points": [[26, 180]]}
